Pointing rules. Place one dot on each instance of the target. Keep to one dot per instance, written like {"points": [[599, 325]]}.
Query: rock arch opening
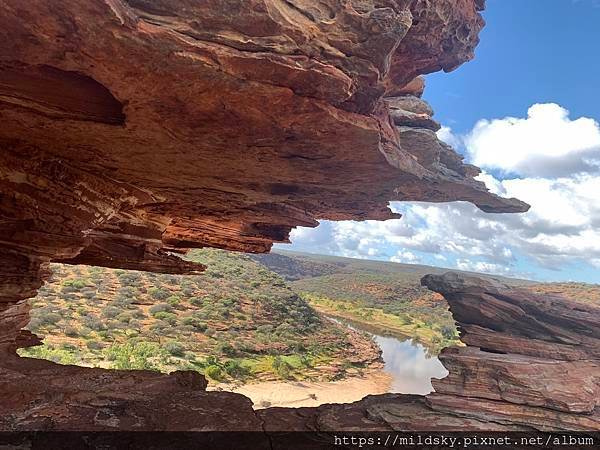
{"points": [[243, 326]]}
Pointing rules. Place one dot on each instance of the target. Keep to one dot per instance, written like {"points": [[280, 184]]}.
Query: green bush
{"points": [[197, 301], [225, 349], [161, 307], [214, 372], [124, 317], [234, 369], [158, 294], [281, 368], [174, 348], [194, 322], [136, 356], [173, 300], [167, 317]]}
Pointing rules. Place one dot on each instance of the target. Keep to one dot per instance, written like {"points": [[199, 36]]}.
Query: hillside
{"points": [[385, 296], [579, 292], [238, 320]]}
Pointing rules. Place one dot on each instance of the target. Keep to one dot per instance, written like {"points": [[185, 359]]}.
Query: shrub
{"points": [[281, 367], [196, 323], [138, 313], [214, 372], [234, 369], [210, 331], [196, 301], [448, 332], [111, 312], [161, 307], [124, 317], [34, 324], [158, 294], [173, 300], [84, 331], [88, 293], [136, 356], [106, 335], [168, 317], [94, 323], [71, 331], [75, 284], [94, 345], [226, 349], [174, 348], [47, 318]]}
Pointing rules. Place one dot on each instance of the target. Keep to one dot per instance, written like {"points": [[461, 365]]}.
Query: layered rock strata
{"points": [[530, 360], [133, 130]]}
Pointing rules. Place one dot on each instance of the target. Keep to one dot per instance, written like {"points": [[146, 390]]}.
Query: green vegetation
{"points": [[237, 321], [386, 298]]}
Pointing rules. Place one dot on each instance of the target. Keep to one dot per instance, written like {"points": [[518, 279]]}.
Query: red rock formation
{"points": [[177, 123], [530, 360], [508, 377], [135, 129]]}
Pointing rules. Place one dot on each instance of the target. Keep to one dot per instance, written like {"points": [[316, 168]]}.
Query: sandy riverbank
{"points": [[299, 393]]}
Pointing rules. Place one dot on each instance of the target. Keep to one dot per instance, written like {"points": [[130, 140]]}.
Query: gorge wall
{"points": [[134, 130]]}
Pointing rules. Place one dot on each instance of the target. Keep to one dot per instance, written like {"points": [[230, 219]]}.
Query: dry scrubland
{"points": [[245, 319]]}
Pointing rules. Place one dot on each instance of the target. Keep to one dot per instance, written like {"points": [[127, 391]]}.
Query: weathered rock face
{"points": [[134, 129], [530, 360]]}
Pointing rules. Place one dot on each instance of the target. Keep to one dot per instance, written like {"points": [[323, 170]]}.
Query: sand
{"points": [[298, 393]]}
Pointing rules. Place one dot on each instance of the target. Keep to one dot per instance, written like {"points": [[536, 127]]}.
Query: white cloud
{"points": [[405, 257], [556, 163], [545, 144], [480, 266], [445, 134]]}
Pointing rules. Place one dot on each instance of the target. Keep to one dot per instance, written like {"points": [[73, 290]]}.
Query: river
{"points": [[407, 370], [407, 362]]}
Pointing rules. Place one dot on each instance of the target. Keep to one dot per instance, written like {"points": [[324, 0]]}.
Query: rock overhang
{"points": [[134, 130]]}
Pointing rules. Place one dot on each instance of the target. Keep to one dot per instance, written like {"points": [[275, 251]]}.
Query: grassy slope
{"points": [[239, 320], [385, 296]]}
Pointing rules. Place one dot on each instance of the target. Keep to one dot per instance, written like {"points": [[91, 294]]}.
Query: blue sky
{"points": [[526, 110], [531, 51]]}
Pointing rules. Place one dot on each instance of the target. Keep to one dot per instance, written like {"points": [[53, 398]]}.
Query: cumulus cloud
{"points": [[546, 159], [547, 143], [445, 134], [405, 257]]}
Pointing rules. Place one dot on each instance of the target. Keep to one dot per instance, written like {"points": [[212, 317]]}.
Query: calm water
{"points": [[407, 362], [409, 365]]}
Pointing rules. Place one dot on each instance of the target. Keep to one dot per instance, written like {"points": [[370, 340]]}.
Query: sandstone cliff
{"points": [[133, 130]]}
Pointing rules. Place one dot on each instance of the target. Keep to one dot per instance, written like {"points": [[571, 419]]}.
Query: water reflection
{"points": [[407, 362], [409, 365]]}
